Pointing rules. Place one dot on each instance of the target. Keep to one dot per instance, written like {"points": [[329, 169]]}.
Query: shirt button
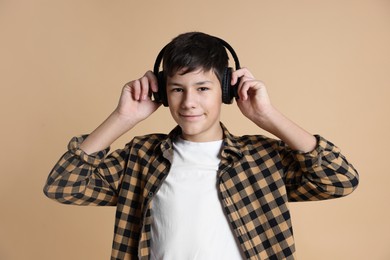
{"points": [[150, 194]]}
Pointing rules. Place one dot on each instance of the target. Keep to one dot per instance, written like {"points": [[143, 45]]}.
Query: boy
{"points": [[200, 192]]}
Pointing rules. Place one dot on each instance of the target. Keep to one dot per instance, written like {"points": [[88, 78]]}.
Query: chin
{"points": [[190, 130]]}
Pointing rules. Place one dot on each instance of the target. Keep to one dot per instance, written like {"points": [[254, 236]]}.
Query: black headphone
{"points": [[228, 91]]}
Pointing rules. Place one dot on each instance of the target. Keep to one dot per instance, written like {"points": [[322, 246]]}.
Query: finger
{"points": [[247, 87], [125, 91], [144, 88], [152, 80], [243, 89], [243, 72], [136, 89]]}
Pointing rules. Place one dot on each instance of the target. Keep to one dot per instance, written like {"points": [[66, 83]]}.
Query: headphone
{"points": [[229, 91]]}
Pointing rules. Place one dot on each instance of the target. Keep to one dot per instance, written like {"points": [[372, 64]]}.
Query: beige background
{"points": [[63, 63]]}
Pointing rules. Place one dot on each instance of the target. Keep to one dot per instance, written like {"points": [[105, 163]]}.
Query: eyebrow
{"points": [[199, 83]]}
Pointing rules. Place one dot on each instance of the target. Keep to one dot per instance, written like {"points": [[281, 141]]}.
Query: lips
{"points": [[190, 117]]}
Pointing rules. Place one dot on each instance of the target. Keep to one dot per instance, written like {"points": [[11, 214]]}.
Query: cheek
{"points": [[218, 98], [213, 105], [173, 101], [172, 110]]}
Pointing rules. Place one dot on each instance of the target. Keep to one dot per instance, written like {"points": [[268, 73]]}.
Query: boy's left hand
{"points": [[253, 100], [255, 104]]}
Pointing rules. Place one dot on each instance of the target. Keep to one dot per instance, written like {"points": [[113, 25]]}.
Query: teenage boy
{"points": [[200, 192]]}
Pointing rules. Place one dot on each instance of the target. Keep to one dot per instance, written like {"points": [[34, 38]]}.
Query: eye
{"points": [[203, 89], [177, 90]]}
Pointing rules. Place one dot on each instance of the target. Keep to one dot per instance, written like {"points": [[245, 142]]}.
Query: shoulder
{"points": [[148, 141], [250, 143], [256, 140], [255, 143]]}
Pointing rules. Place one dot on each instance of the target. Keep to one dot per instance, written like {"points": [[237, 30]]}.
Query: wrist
{"points": [[122, 121], [267, 119]]}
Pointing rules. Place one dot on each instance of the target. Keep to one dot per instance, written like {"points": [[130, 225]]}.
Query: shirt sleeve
{"points": [[82, 179], [323, 173]]}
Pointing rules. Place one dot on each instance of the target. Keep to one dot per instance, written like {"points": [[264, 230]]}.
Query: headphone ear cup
{"points": [[161, 95], [227, 91]]}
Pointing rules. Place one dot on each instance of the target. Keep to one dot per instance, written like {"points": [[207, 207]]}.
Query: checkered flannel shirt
{"points": [[257, 177]]}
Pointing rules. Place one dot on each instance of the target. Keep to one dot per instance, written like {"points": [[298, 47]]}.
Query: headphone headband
{"points": [[160, 55]]}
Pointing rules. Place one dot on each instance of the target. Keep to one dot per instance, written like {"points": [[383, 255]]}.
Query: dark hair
{"points": [[194, 50]]}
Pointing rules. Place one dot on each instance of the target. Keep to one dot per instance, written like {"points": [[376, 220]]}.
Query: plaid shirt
{"points": [[257, 177]]}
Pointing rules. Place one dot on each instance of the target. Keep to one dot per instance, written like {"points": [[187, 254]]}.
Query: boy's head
{"points": [[193, 51], [194, 72]]}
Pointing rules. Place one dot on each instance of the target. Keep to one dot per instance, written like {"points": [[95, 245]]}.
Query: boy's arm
{"points": [[314, 167], [84, 175], [323, 173], [86, 179]]}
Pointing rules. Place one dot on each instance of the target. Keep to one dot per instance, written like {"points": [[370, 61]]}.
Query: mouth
{"points": [[190, 117]]}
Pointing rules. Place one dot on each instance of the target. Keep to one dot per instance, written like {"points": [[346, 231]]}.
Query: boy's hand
{"points": [[134, 106], [255, 104], [254, 101], [135, 102]]}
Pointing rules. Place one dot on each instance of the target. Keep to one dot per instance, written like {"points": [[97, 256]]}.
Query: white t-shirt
{"points": [[188, 218]]}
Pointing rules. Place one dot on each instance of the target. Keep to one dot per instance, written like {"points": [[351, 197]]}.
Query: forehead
{"points": [[195, 75]]}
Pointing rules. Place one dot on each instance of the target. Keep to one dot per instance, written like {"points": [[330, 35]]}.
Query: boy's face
{"points": [[195, 100]]}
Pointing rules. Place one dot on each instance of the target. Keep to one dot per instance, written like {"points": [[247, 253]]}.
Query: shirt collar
{"points": [[230, 144]]}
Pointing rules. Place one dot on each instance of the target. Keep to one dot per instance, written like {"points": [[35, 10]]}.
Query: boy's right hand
{"points": [[135, 103]]}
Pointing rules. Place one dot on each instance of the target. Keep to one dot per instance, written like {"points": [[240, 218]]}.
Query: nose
{"points": [[189, 99]]}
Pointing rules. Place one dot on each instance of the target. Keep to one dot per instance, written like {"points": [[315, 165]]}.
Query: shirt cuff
{"points": [[93, 159], [325, 150]]}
